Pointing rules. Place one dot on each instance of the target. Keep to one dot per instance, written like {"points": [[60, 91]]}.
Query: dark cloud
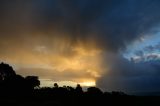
{"points": [[124, 75], [109, 25]]}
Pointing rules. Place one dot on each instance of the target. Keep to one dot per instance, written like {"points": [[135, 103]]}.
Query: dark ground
{"points": [[103, 100]]}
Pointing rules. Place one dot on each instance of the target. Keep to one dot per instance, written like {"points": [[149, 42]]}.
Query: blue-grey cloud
{"points": [[147, 53], [130, 77], [152, 48]]}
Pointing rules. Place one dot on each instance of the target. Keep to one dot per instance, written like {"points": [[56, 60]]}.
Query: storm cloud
{"points": [[62, 35], [104, 22], [131, 77]]}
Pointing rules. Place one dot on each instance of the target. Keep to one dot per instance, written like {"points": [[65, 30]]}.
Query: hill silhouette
{"points": [[25, 91]]}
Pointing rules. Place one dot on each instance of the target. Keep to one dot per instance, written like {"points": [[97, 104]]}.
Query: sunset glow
{"points": [[60, 64], [110, 44], [88, 84]]}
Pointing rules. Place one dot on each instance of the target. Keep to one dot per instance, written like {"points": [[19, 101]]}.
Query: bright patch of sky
{"points": [[50, 83], [141, 44]]}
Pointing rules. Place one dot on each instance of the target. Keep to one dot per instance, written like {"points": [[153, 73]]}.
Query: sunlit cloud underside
{"points": [[58, 61]]}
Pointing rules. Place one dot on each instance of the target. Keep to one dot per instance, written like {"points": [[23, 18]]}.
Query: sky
{"points": [[111, 44]]}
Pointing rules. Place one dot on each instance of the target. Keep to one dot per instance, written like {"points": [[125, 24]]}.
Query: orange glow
{"points": [[59, 60], [91, 83]]}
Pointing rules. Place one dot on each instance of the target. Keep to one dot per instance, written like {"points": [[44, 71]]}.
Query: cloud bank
{"points": [[83, 38]]}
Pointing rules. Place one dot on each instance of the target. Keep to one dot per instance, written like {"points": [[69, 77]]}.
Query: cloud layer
{"points": [[82, 38], [131, 77]]}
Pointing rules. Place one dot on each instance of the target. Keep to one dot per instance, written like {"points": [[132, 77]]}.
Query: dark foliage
{"points": [[17, 90], [13, 84]]}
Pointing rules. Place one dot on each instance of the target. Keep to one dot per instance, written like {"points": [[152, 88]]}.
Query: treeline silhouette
{"points": [[18, 90], [13, 84]]}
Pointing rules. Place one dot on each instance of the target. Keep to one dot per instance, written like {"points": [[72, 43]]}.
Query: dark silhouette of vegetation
{"points": [[25, 91], [6, 72], [11, 83], [32, 82], [55, 85]]}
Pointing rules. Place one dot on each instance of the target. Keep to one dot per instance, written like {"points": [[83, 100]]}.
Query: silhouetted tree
{"points": [[6, 72], [32, 81], [79, 89], [55, 85], [18, 81], [18, 86], [71, 89]]}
